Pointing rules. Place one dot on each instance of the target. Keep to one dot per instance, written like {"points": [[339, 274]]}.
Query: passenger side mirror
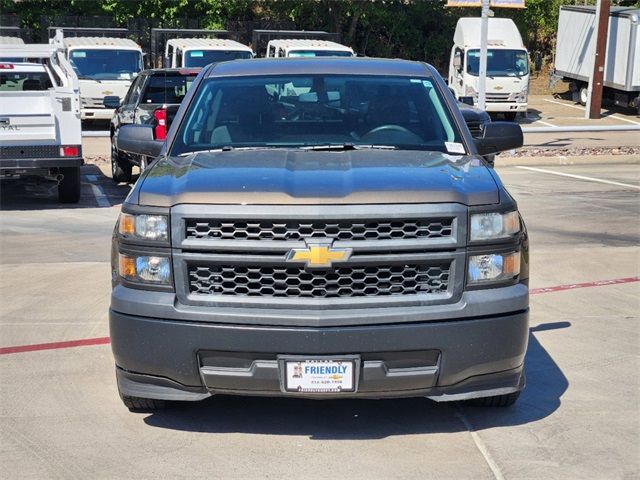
{"points": [[499, 137], [111, 101], [466, 100], [138, 139]]}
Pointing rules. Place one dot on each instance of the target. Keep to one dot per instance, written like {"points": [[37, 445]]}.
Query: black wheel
{"points": [[510, 116], [498, 401], [120, 167], [137, 404], [69, 186]]}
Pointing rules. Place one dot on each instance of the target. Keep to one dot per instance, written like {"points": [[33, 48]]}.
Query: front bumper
{"points": [[506, 107], [96, 113], [450, 359]]}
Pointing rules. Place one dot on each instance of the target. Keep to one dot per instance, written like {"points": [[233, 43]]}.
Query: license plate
{"points": [[319, 376]]}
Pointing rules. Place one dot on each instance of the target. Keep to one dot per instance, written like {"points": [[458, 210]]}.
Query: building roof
{"points": [[322, 65], [101, 42], [309, 44], [208, 44]]}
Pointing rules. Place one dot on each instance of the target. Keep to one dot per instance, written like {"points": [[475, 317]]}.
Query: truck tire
{"points": [[69, 186], [137, 404], [120, 167], [510, 116], [584, 94], [505, 400]]}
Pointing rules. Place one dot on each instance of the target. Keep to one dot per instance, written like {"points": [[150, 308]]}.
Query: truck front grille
{"points": [[92, 102], [498, 97], [345, 230], [292, 282]]}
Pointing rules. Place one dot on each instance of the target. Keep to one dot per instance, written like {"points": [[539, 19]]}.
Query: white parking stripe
{"points": [[582, 109], [101, 198], [579, 177]]}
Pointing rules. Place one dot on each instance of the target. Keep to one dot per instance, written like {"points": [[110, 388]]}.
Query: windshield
{"points": [[200, 58], [102, 64], [320, 53], [320, 110], [500, 63], [163, 88]]}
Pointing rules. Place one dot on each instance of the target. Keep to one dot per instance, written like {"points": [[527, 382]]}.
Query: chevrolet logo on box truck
{"points": [[319, 228]]}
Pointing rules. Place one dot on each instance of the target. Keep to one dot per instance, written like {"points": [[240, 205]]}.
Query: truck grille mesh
{"points": [[292, 282], [338, 230]]}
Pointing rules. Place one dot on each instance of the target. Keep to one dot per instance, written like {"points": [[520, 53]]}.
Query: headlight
{"points": [[493, 268], [492, 226], [145, 269], [145, 227]]}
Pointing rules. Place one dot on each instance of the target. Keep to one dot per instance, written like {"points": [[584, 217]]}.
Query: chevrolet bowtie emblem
{"points": [[318, 256], [497, 88]]}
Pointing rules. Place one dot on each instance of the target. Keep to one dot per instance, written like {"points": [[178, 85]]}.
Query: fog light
{"points": [[493, 268]]}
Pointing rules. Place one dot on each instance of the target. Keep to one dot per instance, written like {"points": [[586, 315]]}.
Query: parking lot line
{"points": [[101, 198], [55, 345], [582, 109], [579, 177], [106, 340], [545, 123]]}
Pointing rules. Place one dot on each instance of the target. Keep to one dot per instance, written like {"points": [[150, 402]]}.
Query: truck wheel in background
{"points": [[120, 167], [510, 116], [498, 401], [584, 94], [69, 186]]}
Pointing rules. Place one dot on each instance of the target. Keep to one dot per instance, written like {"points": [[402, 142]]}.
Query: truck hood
{"points": [[93, 88], [281, 176]]}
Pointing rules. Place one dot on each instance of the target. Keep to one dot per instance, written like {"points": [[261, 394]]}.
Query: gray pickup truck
{"points": [[319, 228]]}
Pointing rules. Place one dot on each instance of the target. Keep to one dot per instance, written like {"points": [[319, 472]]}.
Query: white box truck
{"points": [[105, 66], [577, 31], [507, 86], [199, 52], [306, 47], [40, 131]]}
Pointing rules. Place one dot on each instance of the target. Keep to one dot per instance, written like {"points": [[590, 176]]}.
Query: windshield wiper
{"points": [[226, 148], [347, 146]]}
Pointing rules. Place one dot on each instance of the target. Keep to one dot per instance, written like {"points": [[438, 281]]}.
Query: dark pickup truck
{"points": [[153, 99], [320, 228]]}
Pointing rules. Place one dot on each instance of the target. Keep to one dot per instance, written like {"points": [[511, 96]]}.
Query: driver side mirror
{"points": [[138, 139], [499, 137], [457, 61]]}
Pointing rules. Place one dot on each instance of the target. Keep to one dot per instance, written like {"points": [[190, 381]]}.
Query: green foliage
{"points": [[415, 29]]}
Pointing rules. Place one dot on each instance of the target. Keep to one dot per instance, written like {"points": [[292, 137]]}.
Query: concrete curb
{"points": [[502, 161]]}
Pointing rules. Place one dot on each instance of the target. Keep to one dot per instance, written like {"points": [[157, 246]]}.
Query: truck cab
{"points": [[105, 66], [346, 241], [199, 52], [307, 48], [507, 84]]}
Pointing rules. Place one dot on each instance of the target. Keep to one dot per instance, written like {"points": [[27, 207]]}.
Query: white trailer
{"points": [[507, 84], [40, 129], [574, 56], [198, 52], [305, 47], [105, 66]]}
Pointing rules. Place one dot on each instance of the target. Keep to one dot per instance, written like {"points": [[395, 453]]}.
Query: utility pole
{"points": [[484, 40], [594, 102]]}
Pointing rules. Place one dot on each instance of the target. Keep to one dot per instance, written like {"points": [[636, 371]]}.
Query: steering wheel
{"points": [[389, 127]]}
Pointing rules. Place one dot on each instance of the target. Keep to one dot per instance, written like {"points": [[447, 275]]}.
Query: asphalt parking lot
{"points": [[578, 417]]}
